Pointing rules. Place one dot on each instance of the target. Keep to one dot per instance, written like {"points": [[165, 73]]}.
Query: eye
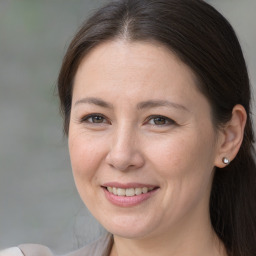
{"points": [[160, 121], [94, 119]]}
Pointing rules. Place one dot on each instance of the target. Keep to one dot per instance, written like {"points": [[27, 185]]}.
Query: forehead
{"points": [[112, 56], [144, 69], [130, 54]]}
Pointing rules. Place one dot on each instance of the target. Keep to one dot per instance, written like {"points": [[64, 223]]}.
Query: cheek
{"points": [[170, 154], [183, 156], [184, 166], [85, 155]]}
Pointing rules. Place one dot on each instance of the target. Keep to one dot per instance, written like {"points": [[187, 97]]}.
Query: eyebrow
{"points": [[140, 106], [95, 101], [160, 103]]}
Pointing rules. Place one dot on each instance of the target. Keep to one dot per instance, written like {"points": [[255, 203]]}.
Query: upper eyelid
{"points": [[86, 117], [161, 116], [170, 121]]}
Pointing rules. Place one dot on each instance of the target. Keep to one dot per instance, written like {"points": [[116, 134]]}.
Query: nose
{"points": [[124, 153]]}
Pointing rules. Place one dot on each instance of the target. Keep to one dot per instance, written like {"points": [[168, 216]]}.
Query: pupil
{"points": [[159, 120]]}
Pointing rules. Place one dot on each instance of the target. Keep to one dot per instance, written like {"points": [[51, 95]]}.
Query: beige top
{"points": [[101, 247], [14, 251]]}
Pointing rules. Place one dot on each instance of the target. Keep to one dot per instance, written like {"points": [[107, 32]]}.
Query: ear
{"points": [[231, 136]]}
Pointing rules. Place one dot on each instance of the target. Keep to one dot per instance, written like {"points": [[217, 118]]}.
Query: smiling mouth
{"points": [[128, 192]]}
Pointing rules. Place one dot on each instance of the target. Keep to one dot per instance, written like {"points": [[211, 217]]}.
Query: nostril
{"points": [[124, 160]]}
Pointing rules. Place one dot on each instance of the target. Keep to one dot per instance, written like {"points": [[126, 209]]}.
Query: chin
{"points": [[128, 228], [128, 233]]}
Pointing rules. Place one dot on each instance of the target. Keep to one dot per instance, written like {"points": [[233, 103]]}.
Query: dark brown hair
{"points": [[204, 40]]}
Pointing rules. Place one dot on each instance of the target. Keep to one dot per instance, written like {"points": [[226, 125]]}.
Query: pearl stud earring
{"points": [[225, 160]]}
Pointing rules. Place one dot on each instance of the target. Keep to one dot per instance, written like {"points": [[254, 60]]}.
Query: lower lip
{"points": [[128, 201]]}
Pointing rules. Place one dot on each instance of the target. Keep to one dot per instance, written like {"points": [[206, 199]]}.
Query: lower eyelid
{"points": [[86, 119], [89, 120], [168, 121]]}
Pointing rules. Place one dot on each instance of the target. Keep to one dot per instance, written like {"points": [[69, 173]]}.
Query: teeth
{"points": [[121, 192], [144, 190], [128, 191], [138, 191]]}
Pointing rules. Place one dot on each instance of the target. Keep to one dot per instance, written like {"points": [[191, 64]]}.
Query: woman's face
{"points": [[141, 140]]}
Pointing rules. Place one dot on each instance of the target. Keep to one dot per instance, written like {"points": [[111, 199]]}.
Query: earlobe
{"points": [[231, 137]]}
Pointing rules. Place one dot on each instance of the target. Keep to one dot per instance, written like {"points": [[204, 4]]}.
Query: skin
{"points": [[124, 142]]}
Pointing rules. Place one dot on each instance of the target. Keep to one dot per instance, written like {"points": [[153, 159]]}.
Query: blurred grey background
{"points": [[38, 199]]}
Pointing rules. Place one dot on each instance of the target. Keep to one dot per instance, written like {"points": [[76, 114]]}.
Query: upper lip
{"points": [[128, 185]]}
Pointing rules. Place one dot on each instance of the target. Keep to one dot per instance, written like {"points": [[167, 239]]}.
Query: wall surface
{"points": [[38, 199]]}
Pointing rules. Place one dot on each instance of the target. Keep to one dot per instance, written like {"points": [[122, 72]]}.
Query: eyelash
{"points": [[167, 121], [91, 116]]}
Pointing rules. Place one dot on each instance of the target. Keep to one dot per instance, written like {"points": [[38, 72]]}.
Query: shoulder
{"points": [[27, 250], [34, 249], [13, 251], [101, 247]]}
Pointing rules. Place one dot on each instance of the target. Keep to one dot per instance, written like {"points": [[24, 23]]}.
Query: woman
{"points": [[156, 103]]}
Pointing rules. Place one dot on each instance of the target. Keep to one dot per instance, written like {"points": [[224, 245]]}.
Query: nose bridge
{"points": [[124, 150], [124, 138]]}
